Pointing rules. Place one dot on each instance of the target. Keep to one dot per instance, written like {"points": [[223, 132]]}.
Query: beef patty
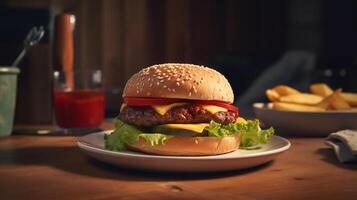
{"points": [[188, 114]]}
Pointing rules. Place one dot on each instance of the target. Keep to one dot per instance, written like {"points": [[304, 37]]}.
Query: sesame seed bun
{"points": [[180, 81], [190, 146]]}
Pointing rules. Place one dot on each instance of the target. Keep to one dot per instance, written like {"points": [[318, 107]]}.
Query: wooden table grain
{"points": [[53, 167]]}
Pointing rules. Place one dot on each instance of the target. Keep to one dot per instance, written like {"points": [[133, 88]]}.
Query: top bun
{"points": [[179, 81]]}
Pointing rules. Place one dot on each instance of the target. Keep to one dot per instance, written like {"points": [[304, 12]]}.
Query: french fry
{"points": [[302, 98], [340, 103], [272, 95], [321, 89], [334, 101], [295, 107], [326, 102], [284, 90], [351, 98], [321, 98]]}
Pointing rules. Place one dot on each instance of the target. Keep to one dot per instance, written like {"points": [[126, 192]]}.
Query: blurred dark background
{"points": [[240, 38]]}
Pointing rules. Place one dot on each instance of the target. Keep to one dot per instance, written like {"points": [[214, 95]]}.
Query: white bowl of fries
{"points": [[318, 113]]}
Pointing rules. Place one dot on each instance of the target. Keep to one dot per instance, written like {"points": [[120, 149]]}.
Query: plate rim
{"points": [[264, 106], [131, 154]]}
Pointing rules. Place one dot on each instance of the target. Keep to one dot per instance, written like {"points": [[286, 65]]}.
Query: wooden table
{"points": [[53, 167]]}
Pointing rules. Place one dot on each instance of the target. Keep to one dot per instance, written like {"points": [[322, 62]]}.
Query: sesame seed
{"points": [[157, 83], [177, 83], [189, 94], [174, 90], [161, 81], [165, 86]]}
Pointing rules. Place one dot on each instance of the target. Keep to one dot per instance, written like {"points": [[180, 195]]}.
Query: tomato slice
{"points": [[135, 101]]}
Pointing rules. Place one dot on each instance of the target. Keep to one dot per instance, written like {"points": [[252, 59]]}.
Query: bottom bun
{"points": [[190, 146]]}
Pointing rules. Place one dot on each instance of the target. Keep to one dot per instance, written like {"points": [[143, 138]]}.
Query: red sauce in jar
{"points": [[80, 108]]}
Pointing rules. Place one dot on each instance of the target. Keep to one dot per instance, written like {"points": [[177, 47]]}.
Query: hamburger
{"points": [[183, 110]]}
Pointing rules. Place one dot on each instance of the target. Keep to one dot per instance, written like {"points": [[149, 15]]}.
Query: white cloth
{"points": [[344, 144]]}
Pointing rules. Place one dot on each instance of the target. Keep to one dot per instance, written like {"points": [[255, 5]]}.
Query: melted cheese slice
{"points": [[122, 107], [197, 128], [159, 109], [163, 109], [241, 120], [214, 109]]}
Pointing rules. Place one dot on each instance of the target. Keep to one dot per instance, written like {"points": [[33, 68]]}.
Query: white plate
{"points": [[305, 123], [93, 145]]}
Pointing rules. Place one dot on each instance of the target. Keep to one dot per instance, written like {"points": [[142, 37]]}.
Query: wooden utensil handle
{"points": [[63, 47]]}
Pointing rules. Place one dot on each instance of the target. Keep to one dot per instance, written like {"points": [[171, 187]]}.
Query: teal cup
{"points": [[8, 84]]}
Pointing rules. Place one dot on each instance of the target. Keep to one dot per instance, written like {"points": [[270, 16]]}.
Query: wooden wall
{"points": [[122, 36]]}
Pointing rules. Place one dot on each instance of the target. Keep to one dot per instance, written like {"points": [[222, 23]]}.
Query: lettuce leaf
{"points": [[128, 134], [251, 133], [154, 138]]}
